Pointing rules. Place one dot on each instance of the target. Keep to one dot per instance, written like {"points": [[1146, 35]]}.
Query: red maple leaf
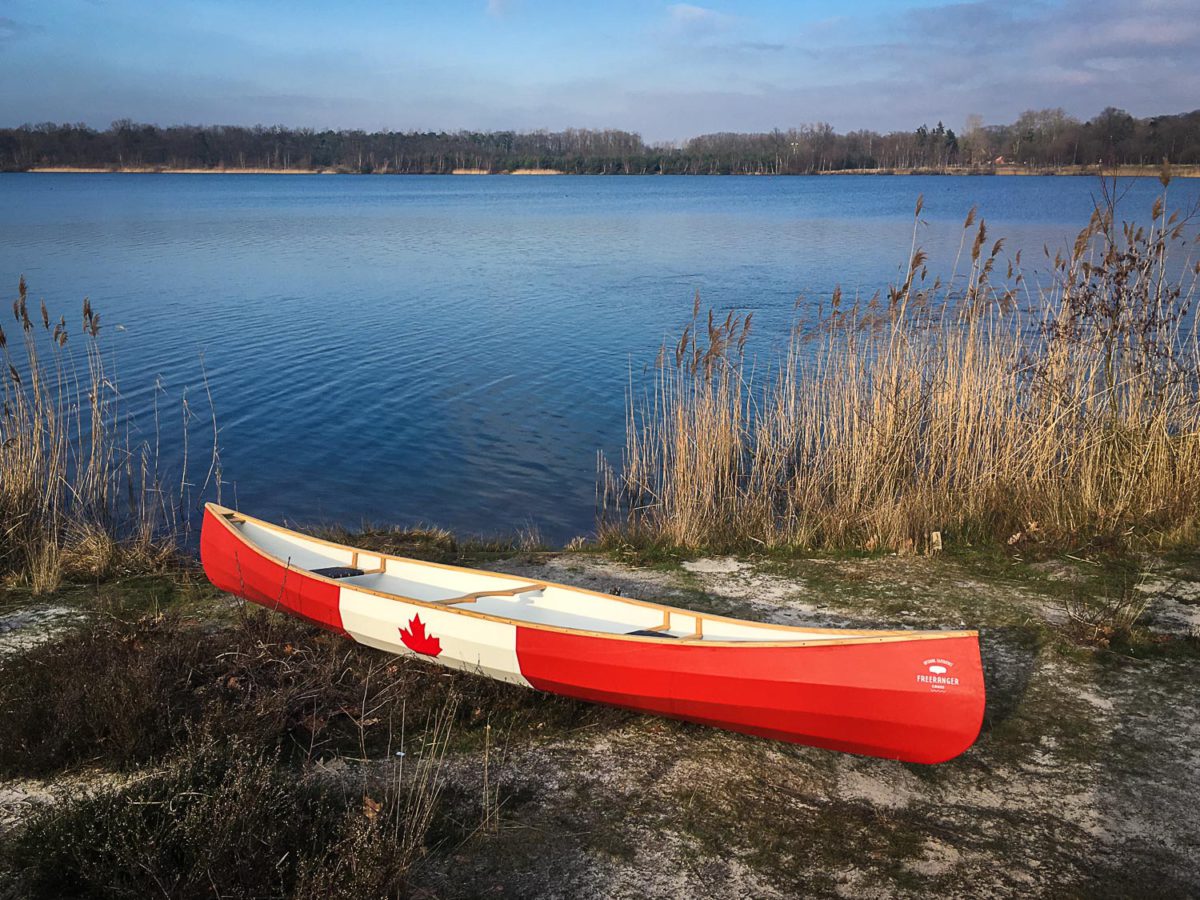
{"points": [[417, 640]]}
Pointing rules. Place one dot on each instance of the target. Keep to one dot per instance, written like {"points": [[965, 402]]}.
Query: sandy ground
{"points": [[21, 629], [1083, 781]]}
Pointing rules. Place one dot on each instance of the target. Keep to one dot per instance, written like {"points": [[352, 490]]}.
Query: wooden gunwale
{"points": [[223, 517]]}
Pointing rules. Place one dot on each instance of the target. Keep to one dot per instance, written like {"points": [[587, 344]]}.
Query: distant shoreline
{"points": [[250, 170], [1068, 171], [158, 170]]}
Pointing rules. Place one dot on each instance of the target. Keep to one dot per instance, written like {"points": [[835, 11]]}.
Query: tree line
{"points": [[1047, 138]]}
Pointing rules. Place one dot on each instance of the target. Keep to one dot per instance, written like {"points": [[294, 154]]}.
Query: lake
{"points": [[455, 350]]}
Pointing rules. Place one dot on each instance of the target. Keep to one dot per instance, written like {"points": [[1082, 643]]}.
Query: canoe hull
{"points": [[919, 700], [868, 699]]}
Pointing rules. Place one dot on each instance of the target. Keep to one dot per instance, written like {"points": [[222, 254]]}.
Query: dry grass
{"points": [[982, 408], [261, 757], [229, 819], [78, 499], [430, 542], [1108, 618], [122, 691]]}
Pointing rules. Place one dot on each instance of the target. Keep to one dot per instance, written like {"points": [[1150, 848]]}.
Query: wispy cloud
{"points": [[759, 46], [11, 29], [666, 70], [688, 19]]}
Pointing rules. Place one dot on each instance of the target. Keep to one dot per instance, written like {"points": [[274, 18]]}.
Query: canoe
{"points": [[916, 696]]}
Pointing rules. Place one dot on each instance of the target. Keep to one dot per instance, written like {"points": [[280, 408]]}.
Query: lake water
{"points": [[455, 350]]}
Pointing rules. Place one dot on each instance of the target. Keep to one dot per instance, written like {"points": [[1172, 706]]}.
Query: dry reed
{"points": [[983, 407], [77, 497]]}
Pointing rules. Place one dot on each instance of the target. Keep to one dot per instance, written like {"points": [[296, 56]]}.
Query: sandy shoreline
{"points": [[148, 170], [513, 172]]}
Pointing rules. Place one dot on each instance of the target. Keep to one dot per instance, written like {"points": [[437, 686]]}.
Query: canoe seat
{"points": [[648, 633], [337, 572]]}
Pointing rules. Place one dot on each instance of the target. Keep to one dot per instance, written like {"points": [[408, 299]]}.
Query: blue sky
{"points": [[667, 70]]}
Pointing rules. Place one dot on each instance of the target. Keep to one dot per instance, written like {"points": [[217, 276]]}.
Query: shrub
{"points": [[123, 693], [225, 819]]}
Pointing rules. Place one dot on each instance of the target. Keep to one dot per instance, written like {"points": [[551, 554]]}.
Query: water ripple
{"points": [[456, 350]]}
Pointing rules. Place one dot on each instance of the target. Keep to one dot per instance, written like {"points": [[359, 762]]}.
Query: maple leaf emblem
{"points": [[417, 640]]}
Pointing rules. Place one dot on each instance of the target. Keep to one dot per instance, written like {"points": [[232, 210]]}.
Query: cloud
{"points": [[924, 64], [679, 70], [1141, 36], [759, 46], [10, 29], [718, 36], [1005, 56], [688, 19]]}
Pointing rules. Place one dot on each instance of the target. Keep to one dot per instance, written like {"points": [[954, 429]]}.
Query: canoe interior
{"points": [[525, 600]]}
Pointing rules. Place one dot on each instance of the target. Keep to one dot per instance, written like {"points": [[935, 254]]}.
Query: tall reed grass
{"points": [[78, 496], [985, 407]]}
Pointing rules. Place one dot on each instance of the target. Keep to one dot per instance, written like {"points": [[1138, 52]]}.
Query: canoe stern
{"points": [[235, 566]]}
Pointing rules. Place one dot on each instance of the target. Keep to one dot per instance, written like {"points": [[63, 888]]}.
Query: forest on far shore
{"points": [[1038, 139]]}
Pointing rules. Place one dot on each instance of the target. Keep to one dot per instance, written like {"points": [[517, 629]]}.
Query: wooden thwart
{"points": [[500, 592], [666, 622], [378, 570]]}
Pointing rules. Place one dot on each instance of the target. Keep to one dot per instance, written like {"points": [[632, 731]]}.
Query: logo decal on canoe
{"points": [[937, 674], [417, 640]]}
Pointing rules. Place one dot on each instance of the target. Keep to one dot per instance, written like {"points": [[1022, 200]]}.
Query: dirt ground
{"points": [[1084, 780]]}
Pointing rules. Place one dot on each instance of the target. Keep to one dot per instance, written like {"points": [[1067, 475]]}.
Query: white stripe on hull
{"points": [[474, 645]]}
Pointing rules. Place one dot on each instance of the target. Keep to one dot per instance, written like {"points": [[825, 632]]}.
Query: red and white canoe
{"points": [[916, 696]]}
